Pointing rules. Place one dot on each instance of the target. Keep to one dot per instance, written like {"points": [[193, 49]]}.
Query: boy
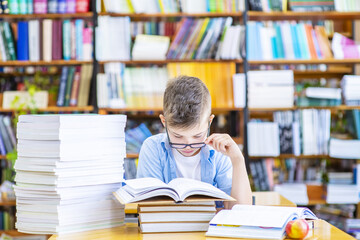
{"points": [[187, 150]]}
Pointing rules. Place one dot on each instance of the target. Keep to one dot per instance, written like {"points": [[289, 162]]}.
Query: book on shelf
{"points": [[271, 89], [170, 6], [239, 90], [114, 35], [143, 87], [268, 6], [45, 40], [351, 89], [178, 190], [342, 148], [175, 217], [263, 138], [317, 96], [7, 135], [286, 40], [313, 6], [150, 47], [347, 6], [53, 184], [163, 28], [295, 192], [344, 47], [249, 221], [342, 194], [45, 6]]}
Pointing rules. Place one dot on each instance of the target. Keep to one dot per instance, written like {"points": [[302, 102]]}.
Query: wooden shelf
{"points": [[47, 15], [58, 109], [7, 203], [171, 15], [43, 63], [332, 108], [163, 62], [321, 74], [282, 156], [331, 15], [159, 110], [304, 61], [132, 155]]}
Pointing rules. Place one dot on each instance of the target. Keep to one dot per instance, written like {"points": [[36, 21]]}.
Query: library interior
{"points": [[102, 127]]}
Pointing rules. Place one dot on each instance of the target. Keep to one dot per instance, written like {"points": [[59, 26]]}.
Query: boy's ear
{"points": [[162, 118]]}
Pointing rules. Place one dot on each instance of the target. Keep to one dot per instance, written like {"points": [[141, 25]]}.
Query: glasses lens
{"points": [[178, 145], [197, 145]]}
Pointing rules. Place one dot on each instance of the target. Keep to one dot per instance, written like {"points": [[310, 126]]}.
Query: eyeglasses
{"points": [[183, 145]]}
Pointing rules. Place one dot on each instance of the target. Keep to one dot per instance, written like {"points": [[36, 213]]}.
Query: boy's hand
{"points": [[225, 144]]}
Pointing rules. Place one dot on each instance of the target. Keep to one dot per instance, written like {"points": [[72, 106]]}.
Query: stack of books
{"points": [[67, 168], [159, 213], [311, 6], [271, 89], [346, 5], [352, 225], [342, 194], [320, 96], [341, 148], [350, 85], [45, 6], [175, 217], [295, 192]]}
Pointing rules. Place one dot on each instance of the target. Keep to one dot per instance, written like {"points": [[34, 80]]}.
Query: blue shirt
{"points": [[156, 160]]}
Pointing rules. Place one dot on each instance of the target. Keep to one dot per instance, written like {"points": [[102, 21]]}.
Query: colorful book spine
{"points": [[9, 41], [79, 28], [23, 41], [52, 6], [70, 6], [5, 6], [73, 40], [22, 6], [14, 6], [30, 6], [82, 6], [66, 40], [40, 6], [69, 83], [62, 88], [75, 88], [61, 4], [87, 44]]}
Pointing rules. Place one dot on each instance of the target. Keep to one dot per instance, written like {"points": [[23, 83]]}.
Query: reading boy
{"points": [[186, 149]]}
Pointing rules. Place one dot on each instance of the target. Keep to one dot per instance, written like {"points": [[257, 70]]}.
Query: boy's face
{"points": [[196, 134]]}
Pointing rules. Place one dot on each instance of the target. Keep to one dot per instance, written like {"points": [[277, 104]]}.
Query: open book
{"points": [[250, 221], [178, 189]]}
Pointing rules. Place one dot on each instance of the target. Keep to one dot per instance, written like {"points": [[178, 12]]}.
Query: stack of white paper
{"points": [[350, 85], [67, 168], [271, 89], [340, 148], [342, 194]]}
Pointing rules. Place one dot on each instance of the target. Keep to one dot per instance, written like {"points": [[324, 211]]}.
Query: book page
{"points": [[145, 184], [186, 187]]}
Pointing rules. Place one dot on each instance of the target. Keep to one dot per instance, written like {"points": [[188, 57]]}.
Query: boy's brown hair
{"points": [[186, 100]]}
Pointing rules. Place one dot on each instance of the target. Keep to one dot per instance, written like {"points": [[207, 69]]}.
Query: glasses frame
{"points": [[184, 145]]}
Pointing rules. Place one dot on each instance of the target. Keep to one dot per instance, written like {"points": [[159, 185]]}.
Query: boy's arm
{"points": [[240, 189], [149, 161]]}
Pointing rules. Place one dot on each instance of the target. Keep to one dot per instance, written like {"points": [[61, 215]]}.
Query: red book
{"points": [[82, 6]]}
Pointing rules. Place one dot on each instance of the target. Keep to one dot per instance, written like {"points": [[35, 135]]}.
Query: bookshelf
{"points": [[289, 15], [43, 63], [47, 16], [171, 15], [164, 62]]}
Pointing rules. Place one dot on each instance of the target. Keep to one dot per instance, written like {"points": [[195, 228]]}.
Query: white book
{"points": [[323, 93], [239, 90], [176, 208], [47, 40], [34, 41], [250, 221], [178, 189], [67, 120], [176, 217], [174, 227]]}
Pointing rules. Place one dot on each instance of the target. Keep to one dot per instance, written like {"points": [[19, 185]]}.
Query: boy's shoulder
{"points": [[156, 140]]}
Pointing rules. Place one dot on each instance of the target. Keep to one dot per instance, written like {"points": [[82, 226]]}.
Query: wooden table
{"points": [[321, 231], [261, 198]]}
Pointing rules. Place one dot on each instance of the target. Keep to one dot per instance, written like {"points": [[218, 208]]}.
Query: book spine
{"points": [[66, 39], [13, 6], [62, 88], [40, 6], [61, 6], [70, 6], [4, 51], [5, 6], [72, 40], [69, 83], [87, 44], [10, 131], [30, 6], [82, 6], [75, 87], [22, 6], [47, 40], [2, 147], [23, 41], [54, 46], [10, 44], [52, 6], [79, 28]]}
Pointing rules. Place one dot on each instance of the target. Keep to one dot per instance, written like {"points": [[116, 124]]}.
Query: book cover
{"points": [[62, 88], [23, 41], [69, 84], [61, 4], [79, 28], [87, 44]]}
